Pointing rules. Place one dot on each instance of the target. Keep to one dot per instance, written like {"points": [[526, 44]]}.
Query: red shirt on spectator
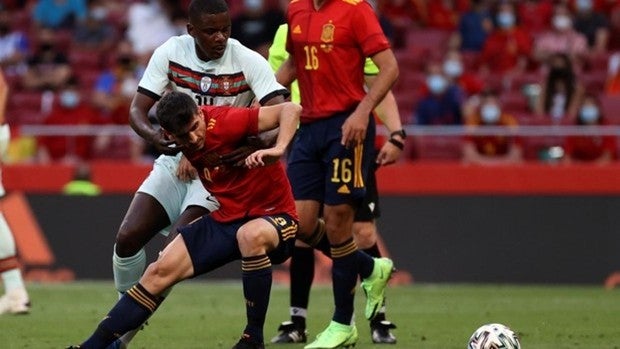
{"points": [[503, 49], [535, 15]]}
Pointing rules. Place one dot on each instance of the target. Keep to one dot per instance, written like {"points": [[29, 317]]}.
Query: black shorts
{"points": [[368, 210]]}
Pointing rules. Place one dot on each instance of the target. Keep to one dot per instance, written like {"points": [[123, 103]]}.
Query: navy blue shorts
{"points": [[213, 244], [321, 169]]}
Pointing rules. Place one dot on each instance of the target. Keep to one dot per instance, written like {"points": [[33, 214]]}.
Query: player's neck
{"points": [[318, 3]]}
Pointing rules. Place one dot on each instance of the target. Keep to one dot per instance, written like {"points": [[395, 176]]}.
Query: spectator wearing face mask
{"points": [[474, 27], [48, 68], [14, 46], [491, 149], [443, 102], [69, 109], [507, 50], [600, 149], [593, 24], [535, 15], [562, 38]]}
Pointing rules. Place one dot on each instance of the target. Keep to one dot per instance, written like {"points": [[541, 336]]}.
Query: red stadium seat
{"points": [[611, 107], [437, 148]]}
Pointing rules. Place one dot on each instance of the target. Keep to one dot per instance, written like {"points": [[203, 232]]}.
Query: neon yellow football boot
{"points": [[374, 286], [336, 335]]}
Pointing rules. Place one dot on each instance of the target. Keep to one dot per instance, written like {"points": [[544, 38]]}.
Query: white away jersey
{"points": [[234, 79]]}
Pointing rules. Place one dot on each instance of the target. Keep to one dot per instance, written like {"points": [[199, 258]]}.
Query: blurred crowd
{"points": [[462, 62]]}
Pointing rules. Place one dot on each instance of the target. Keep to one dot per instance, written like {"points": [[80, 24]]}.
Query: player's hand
{"points": [[186, 172], [163, 144], [388, 154], [237, 157], [263, 157], [354, 129]]}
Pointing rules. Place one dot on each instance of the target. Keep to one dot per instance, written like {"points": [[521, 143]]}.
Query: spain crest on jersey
{"points": [[205, 83], [327, 35]]}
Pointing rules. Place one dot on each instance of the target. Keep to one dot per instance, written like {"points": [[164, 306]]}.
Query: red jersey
{"points": [[329, 46], [242, 192]]}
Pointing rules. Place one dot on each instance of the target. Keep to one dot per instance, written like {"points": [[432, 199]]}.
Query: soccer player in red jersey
{"points": [[328, 41], [256, 222]]}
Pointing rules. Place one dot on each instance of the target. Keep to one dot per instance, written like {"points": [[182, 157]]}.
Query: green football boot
{"points": [[374, 286], [336, 335]]}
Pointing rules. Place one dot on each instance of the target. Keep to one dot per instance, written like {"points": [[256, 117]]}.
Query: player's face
{"points": [[210, 33], [192, 136]]}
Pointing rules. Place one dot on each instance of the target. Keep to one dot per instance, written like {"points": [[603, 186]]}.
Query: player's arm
{"points": [[387, 111], [354, 128], [284, 117], [139, 121], [287, 73]]}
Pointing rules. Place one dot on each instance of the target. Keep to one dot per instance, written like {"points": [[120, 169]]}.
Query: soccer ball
{"points": [[494, 336]]}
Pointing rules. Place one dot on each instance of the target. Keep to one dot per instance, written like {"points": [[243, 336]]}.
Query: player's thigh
{"points": [[173, 265], [210, 244], [257, 236], [165, 187], [308, 213]]}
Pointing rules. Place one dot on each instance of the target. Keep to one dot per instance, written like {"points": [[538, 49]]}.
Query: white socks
{"points": [[128, 270], [12, 279]]}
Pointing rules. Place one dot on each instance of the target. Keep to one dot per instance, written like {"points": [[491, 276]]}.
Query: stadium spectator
{"points": [[535, 15], [346, 129], [14, 46], [48, 68], [59, 14], [116, 85], [474, 27], [403, 15], [256, 25], [442, 105], [507, 50], [454, 69], [15, 299], [593, 24], [599, 149], [149, 25], [73, 109], [171, 196], [491, 149], [255, 223], [445, 14], [561, 91], [95, 34], [563, 38]]}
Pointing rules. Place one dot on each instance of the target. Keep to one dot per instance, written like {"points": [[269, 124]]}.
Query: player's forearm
{"points": [[4, 94], [387, 111], [286, 74], [288, 121], [388, 73]]}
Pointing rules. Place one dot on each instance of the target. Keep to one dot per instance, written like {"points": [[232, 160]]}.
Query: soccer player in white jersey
{"points": [[214, 70], [15, 299]]}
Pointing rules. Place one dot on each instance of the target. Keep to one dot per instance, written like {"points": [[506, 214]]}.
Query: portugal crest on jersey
{"points": [[205, 83]]}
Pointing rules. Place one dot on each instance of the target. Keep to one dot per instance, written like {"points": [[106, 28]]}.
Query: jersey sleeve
{"points": [[261, 78], [155, 78], [368, 31]]}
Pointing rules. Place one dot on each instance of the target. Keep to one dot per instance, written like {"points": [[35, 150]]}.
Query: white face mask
{"points": [[69, 99], [452, 68], [584, 5], [589, 114], [506, 19], [490, 113], [436, 83], [253, 5], [562, 22]]}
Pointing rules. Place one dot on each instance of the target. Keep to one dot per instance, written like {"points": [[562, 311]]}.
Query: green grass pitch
{"points": [[204, 314]]}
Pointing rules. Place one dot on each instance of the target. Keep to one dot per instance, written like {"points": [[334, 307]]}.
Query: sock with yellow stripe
{"points": [[130, 312], [344, 279], [257, 277]]}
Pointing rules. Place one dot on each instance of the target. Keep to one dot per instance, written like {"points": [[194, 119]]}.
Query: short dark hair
{"points": [[212, 7], [175, 110]]}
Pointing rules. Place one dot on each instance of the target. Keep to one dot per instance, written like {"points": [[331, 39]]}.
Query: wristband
{"points": [[398, 144], [400, 133]]}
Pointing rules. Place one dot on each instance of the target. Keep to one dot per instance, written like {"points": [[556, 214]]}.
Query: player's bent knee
{"points": [[126, 245], [158, 277]]}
